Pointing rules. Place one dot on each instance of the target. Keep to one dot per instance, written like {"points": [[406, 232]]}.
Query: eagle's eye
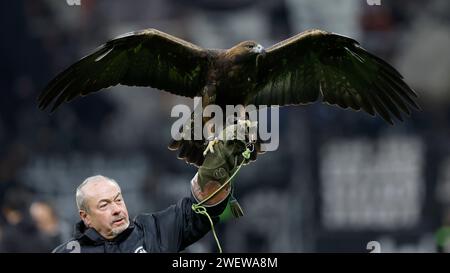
{"points": [[250, 46]]}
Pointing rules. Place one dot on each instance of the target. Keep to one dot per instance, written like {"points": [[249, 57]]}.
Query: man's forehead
{"points": [[101, 189]]}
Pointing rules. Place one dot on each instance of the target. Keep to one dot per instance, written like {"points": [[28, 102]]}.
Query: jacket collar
{"points": [[82, 233]]}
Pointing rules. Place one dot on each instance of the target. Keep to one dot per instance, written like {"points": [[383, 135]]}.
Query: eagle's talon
{"points": [[210, 146]]}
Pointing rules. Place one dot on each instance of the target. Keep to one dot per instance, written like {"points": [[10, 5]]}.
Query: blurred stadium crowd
{"points": [[339, 179]]}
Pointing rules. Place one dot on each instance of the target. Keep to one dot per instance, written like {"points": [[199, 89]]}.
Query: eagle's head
{"points": [[245, 50]]}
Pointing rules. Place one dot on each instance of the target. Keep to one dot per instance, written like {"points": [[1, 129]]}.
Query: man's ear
{"points": [[85, 217]]}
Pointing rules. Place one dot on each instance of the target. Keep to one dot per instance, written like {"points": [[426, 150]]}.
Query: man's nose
{"points": [[116, 209]]}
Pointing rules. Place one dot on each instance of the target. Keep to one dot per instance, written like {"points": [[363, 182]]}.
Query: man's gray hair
{"points": [[80, 196]]}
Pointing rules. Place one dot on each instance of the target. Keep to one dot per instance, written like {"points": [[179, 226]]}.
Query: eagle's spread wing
{"points": [[316, 63], [142, 58]]}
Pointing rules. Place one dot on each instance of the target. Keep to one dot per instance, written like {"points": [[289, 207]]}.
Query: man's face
{"points": [[107, 212]]}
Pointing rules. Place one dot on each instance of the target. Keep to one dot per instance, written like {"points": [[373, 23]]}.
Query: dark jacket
{"points": [[170, 230]]}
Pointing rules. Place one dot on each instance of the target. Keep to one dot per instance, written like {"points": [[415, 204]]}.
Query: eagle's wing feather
{"points": [[143, 58], [317, 64]]}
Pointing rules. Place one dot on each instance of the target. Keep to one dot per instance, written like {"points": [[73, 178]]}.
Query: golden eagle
{"points": [[311, 65]]}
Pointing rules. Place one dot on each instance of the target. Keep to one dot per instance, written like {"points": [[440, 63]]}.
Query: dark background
{"points": [[338, 180]]}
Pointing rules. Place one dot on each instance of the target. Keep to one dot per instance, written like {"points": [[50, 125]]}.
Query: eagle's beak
{"points": [[259, 49]]}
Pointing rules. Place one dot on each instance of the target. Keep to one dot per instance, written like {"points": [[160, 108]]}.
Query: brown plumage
{"points": [[299, 70]]}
